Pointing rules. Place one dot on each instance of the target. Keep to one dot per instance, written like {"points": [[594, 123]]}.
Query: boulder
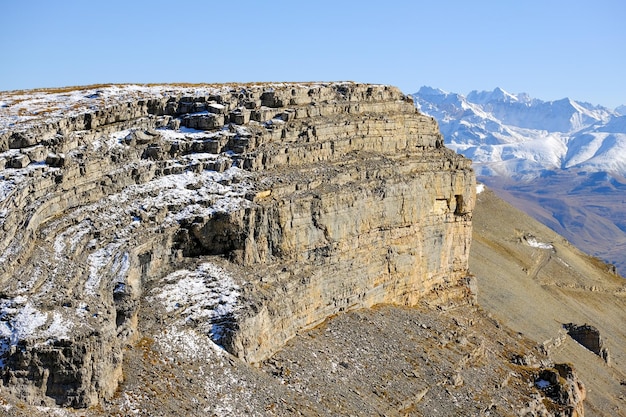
{"points": [[19, 161], [35, 153]]}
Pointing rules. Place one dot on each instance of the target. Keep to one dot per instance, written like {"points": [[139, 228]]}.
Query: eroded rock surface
{"points": [[280, 204]]}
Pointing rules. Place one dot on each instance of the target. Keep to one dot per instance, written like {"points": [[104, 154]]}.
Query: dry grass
{"points": [[45, 110], [68, 89]]}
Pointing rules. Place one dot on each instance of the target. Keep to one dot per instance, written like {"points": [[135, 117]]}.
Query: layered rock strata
{"points": [[282, 204]]}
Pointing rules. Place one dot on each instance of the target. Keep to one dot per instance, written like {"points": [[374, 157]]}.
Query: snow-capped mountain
{"points": [[517, 136]]}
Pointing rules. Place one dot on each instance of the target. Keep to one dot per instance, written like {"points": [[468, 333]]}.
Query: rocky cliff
{"points": [[243, 213]]}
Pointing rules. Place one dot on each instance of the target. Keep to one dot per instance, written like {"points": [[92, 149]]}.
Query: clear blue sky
{"points": [[549, 48]]}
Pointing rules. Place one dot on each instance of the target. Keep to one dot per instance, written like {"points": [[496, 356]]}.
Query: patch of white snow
{"points": [[542, 383], [20, 320], [532, 242], [206, 297]]}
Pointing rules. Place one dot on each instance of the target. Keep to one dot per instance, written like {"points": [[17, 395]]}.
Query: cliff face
{"points": [[246, 213]]}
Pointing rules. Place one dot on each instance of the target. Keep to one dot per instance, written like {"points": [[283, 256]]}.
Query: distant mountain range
{"points": [[517, 136], [562, 161]]}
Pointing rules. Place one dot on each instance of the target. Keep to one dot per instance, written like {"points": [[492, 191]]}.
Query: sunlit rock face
{"points": [[248, 212]]}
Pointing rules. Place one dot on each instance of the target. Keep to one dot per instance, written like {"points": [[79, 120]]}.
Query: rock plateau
{"points": [[296, 185]]}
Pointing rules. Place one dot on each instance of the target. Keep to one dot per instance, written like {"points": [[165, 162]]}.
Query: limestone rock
{"points": [[35, 153], [19, 161], [304, 200]]}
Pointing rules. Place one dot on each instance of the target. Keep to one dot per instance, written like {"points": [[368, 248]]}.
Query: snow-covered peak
{"points": [[497, 95], [621, 110], [429, 91], [519, 136]]}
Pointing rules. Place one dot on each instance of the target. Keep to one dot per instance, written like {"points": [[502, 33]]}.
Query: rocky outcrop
{"points": [[589, 337], [564, 390], [284, 204]]}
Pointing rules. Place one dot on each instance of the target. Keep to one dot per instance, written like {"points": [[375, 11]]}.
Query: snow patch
{"points": [[99, 260], [542, 384], [6, 188], [480, 188], [20, 320], [54, 412], [74, 234], [132, 401], [59, 327], [112, 140], [187, 344], [532, 242], [205, 298], [27, 320]]}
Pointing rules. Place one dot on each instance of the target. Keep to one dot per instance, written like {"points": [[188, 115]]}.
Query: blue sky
{"points": [[550, 49]]}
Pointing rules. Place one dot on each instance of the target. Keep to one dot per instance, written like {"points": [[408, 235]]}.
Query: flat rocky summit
{"points": [[172, 248]]}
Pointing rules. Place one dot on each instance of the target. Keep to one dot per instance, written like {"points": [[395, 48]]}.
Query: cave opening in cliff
{"points": [[459, 209]]}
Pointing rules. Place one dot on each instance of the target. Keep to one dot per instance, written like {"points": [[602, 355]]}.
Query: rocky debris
{"points": [[589, 337], [316, 199], [420, 361], [388, 360]]}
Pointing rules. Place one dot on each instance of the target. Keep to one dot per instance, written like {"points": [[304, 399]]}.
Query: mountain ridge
{"points": [[280, 249], [263, 209], [495, 128]]}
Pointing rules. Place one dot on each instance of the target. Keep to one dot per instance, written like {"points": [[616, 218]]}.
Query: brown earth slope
{"points": [[535, 281], [588, 209]]}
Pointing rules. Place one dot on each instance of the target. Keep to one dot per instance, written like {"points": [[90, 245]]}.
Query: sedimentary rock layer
{"points": [[284, 204]]}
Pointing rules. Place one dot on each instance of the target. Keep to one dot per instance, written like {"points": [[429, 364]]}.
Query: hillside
{"points": [[587, 208], [534, 281]]}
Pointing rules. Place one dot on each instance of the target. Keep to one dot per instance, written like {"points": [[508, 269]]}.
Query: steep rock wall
{"points": [[314, 198]]}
